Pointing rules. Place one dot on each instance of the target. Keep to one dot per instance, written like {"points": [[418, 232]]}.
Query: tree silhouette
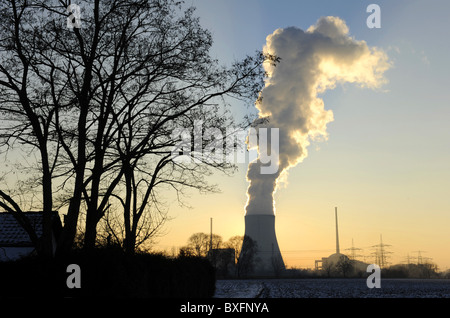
{"points": [[344, 265], [97, 105], [235, 242], [246, 262], [199, 244]]}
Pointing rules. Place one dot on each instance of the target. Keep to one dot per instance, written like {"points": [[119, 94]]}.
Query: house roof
{"points": [[12, 233]]}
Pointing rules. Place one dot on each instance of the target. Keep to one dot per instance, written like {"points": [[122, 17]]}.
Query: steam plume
{"points": [[312, 61]]}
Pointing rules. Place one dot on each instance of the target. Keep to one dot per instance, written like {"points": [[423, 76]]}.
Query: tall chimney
{"points": [[337, 232]]}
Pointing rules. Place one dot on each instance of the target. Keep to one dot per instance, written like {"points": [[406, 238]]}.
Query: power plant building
{"points": [[330, 262]]}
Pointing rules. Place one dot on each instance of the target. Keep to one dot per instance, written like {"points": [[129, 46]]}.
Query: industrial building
{"points": [[337, 259]]}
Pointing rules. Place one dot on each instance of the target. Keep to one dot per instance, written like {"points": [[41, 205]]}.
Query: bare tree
{"points": [[199, 244], [112, 229], [27, 117], [99, 104], [277, 265], [328, 268], [235, 243], [344, 266]]}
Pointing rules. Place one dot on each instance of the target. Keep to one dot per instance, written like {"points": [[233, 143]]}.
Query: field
{"points": [[332, 288]]}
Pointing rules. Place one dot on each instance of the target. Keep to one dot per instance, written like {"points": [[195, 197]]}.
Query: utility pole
{"points": [[353, 255], [419, 257], [337, 232], [210, 237], [380, 253], [408, 259]]}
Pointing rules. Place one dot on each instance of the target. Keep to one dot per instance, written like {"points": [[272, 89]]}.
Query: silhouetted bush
{"points": [[397, 271], [109, 272], [411, 271]]}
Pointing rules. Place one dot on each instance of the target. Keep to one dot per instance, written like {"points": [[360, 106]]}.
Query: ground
{"points": [[332, 288]]}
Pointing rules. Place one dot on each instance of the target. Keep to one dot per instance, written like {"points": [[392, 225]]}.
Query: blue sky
{"points": [[386, 164], [240, 27]]}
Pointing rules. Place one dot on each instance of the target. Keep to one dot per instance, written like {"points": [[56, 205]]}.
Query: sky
{"points": [[386, 162]]}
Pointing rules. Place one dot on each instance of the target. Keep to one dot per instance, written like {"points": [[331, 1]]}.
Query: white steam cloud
{"points": [[312, 61]]}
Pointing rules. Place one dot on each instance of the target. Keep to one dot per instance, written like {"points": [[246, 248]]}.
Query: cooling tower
{"points": [[261, 229]]}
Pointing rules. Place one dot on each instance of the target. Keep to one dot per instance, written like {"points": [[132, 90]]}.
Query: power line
{"points": [[420, 259], [381, 253], [353, 249]]}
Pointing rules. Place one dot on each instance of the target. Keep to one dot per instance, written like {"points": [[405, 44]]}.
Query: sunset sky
{"points": [[386, 162]]}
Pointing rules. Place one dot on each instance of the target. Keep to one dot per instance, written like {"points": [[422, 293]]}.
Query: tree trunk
{"points": [[91, 232], [129, 240], [70, 221], [46, 248]]}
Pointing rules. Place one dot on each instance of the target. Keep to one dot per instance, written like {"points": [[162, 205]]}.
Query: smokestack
{"points": [[337, 232]]}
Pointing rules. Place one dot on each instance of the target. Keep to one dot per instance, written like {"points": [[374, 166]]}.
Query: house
{"points": [[15, 242]]}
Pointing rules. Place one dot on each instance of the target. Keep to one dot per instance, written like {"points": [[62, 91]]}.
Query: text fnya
{"points": [[228, 307]]}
